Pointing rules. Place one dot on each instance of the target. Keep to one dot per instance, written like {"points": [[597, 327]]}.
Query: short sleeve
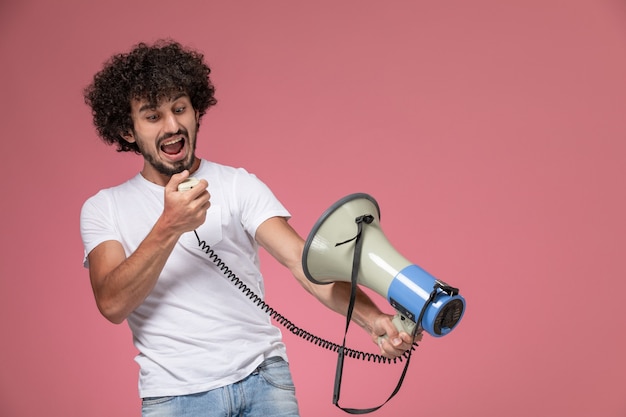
{"points": [[96, 223], [256, 201]]}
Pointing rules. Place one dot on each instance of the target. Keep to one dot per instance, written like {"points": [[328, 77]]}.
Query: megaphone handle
{"points": [[402, 324]]}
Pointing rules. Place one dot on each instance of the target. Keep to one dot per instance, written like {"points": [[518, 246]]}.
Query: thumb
{"points": [[176, 179]]}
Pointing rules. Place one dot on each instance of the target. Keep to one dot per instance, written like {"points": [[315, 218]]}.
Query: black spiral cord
{"points": [[352, 353]]}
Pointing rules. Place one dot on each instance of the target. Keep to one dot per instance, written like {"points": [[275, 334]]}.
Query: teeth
{"points": [[173, 141]]}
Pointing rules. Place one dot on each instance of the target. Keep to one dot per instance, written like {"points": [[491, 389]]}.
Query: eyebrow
{"points": [[150, 106]]}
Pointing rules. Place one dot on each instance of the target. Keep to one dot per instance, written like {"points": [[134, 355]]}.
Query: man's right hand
{"points": [[185, 211]]}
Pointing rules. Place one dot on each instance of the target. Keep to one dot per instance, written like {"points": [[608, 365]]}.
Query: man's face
{"points": [[165, 135]]}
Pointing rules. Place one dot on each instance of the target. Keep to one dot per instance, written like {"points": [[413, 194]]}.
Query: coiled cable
{"points": [[287, 324]]}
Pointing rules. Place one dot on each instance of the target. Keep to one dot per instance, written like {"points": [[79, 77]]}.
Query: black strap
{"points": [[341, 353]]}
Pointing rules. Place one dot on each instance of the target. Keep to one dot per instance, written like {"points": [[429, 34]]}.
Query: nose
{"points": [[170, 123]]}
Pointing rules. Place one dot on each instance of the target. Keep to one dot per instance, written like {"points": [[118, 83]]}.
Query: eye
{"points": [[180, 109], [152, 117]]}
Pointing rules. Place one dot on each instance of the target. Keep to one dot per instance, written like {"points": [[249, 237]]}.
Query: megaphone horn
{"points": [[414, 293]]}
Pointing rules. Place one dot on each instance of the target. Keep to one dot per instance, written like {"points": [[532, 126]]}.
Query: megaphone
{"points": [[419, 299]]}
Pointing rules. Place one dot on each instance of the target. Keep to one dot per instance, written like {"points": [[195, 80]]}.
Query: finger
{"points": [[203, 185], [206, 198], [387, 349], [400, 339], [383, 349], [176, 179]]}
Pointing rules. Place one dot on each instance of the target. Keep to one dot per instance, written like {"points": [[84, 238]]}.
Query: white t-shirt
{"points": [[195, 331]]}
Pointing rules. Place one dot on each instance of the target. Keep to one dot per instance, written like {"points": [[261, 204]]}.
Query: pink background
{"points": [[491, 133]]}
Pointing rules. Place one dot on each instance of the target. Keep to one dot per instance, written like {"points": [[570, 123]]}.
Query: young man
{"points": [[200, 340]]}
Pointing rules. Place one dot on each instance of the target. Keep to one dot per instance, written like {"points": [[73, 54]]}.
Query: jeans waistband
{"points": [[269, 361]]}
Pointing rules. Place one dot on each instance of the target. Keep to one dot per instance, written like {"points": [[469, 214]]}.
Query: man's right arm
{"points": [[120, 284]]}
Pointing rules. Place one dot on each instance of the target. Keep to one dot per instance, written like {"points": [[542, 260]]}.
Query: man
{"points": [[200, 340]]}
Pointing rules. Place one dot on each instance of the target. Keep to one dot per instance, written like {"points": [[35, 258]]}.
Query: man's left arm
{"points": [[278, 237]]}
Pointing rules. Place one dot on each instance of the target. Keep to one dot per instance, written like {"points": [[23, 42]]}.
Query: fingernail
{"points": [[397, 341]]}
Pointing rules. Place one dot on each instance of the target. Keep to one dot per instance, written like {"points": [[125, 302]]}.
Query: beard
{"points": [[175, 167]]}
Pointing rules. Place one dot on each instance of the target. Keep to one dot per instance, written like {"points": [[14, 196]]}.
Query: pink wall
{"points": [[491, 133]]}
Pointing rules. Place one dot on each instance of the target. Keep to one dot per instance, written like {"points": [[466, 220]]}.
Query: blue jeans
{"points": [[268, 391]]}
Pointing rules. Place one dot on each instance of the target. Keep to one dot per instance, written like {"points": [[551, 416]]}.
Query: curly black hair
{"points": [[147, 72]]}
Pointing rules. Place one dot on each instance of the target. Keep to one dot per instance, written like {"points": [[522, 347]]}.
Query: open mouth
{"points": [[173, 146]]}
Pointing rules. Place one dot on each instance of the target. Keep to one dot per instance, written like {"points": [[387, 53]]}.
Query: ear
{"points": [[128, 137]]}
